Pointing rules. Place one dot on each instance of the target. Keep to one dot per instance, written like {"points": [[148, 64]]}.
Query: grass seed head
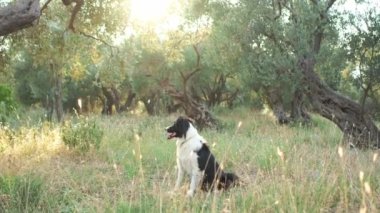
{"points": [[361, 176], [239, 124], [367, 188], [340, 151], [137, 137], [363, 209], [375, 157], [281, 154]]}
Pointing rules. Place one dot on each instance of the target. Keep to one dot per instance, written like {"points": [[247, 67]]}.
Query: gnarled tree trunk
{"points": [[112, 98], [357, 127], [49, 105], [193, 108], [275, 102], [298, 111], [217, 92], [128, 103], [18, 15], [151, 103], [58, 105]]}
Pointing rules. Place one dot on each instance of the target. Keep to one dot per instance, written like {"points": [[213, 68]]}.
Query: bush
{"points": [[82, 135], [7, 103], [20, 194]]}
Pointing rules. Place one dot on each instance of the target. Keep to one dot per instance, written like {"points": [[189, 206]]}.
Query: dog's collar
{"points": [[186, 140]]}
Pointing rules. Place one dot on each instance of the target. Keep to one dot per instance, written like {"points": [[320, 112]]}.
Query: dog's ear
{"points": [[190, 120], [186, 118], [183, 125]]}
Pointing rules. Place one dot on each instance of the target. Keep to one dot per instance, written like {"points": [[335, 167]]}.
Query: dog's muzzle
{"points": [[170, 135]]}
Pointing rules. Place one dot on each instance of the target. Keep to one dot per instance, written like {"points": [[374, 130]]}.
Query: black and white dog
{"points": [[194, 158]]}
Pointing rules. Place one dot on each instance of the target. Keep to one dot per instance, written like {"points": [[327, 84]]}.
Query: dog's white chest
{"points": [[187, 156], [188, 162]]}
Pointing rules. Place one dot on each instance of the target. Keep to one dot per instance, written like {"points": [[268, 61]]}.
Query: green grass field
{"points": [[282, 168]]}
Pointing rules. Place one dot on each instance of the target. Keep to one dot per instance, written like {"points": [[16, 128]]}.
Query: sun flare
{"points": [[151, 10]]}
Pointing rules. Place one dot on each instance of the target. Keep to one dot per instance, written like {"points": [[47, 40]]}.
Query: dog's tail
{"points": [[228, 180]]}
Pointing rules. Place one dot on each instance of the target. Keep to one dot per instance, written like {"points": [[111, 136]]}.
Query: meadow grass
{"points": [[282, 168]]}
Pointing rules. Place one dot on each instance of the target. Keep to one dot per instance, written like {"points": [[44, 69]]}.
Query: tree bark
{"points": [[357, 127], [151, 104], [18, 15], [173, 107], [128, 103], [298, 112], [58, 98], [193, 109], [276, 104], [109, 101], [49, 105], [364, 97], [116, 98]]}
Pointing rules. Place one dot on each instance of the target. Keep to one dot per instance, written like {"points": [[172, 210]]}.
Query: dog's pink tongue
{"points": [[171, 135]]}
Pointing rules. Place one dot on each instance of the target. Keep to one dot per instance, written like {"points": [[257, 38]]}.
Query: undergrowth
{"points": [[282, 168]]}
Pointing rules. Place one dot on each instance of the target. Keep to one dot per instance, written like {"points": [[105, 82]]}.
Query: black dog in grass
{"points": [[194, 158]]}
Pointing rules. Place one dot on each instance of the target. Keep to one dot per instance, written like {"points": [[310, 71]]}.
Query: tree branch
{"points": [[319, 32], [77, 7], [18, 15], [45, 6], [95, 38], [329, 4], [197, 66]]}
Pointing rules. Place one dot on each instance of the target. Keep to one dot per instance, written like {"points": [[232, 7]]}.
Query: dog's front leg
{"points": [[195, 179], [180, 175]]}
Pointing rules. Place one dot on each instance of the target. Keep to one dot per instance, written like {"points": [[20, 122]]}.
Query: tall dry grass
{"points": [[282, 168]]}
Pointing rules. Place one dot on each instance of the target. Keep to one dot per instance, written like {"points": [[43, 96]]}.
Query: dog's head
{"points": [[179, 128]]}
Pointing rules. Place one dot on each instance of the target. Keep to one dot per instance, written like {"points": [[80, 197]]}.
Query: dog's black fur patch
{"points": [[213, 174], [180, 127]]}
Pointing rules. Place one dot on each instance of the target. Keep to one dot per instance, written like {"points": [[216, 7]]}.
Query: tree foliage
{"points": [[7, 103], [287, 53], [363, 49]]}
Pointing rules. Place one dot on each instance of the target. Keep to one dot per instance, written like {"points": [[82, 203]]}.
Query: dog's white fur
{"points": [[187, 159]]}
